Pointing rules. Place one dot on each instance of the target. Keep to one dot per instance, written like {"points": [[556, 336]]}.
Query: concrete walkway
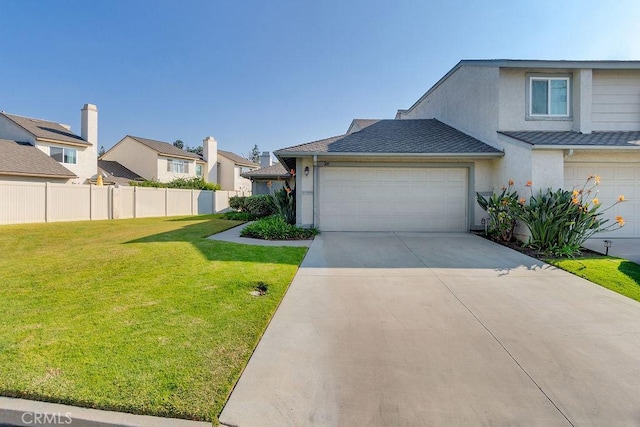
{"points": [[626, 248], [232, 235], [440, 329]]}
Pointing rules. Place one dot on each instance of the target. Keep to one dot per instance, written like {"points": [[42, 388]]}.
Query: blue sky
{"points": [[275, 73]]}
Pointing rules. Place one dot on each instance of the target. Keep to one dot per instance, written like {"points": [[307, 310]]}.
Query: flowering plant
{"points": [[500, 208]]}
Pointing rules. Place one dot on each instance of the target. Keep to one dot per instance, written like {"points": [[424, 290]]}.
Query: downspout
{"points": [[315, 189]]}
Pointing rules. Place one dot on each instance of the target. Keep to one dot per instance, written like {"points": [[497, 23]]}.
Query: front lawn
{"points": [[143, 316], [617, 274]]}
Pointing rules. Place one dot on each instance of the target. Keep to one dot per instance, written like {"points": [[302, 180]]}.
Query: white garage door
{"points": [[616, 179], [392, 199]]}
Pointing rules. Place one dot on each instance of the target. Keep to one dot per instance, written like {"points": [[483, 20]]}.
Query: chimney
{"points": [[210, 155], [89, 124], [265, 159]]}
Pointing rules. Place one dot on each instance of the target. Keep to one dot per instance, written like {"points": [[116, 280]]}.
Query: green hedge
{"points": [[259, 206], [185, 183], [276, 228]]}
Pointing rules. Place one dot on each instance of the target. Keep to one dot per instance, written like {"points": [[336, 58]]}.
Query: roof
{"points": [[116, 170], [165, 148], [43, 129], [426, 136], [20, 158], [629, 139], [528, 63], [361, 124], [273, 171], [237, 159]]}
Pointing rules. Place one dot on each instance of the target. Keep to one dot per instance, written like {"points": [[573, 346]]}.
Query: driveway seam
{"points": [[487, 329]]}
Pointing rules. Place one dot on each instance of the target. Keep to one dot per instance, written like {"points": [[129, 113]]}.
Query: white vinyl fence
{"points": [[22, 202]]}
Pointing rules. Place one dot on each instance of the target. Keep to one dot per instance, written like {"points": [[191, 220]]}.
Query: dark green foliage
{"points": [[276, 228], [259, 206], [239, 216], [501, 210], [284, 204], [194, 183]]}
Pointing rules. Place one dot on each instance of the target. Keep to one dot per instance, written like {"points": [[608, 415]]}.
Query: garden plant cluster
{"points": [[559, 221]]}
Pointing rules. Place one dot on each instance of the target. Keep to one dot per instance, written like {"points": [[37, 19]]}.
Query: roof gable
{"points": [[164, 148], [237, 159], [24, 159], [273, 171], [43, 129]]}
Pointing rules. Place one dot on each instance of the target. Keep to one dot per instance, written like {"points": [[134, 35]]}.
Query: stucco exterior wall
{"points": [[86, 162], [516, 165], [11, 131], [226, 173], [547, 169], [304, 192], [165, 176], [467, 100], [513, 103], [135, 157], [616, 100]]}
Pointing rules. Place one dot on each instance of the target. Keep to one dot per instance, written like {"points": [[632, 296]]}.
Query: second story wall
{"points": [[616, 100], [167, 173], [466, 100], [135, 157], [86, 160]]}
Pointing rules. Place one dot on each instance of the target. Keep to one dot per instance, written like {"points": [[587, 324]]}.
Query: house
{"points": [[113, 173], [44, 151], [164, 162], [269, 178], [485, 122]]}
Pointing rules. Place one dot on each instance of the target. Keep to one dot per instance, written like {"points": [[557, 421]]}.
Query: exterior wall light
{"points": [[306, 171]]}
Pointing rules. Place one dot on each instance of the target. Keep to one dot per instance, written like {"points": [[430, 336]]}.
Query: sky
{"points": [[273, 73]]}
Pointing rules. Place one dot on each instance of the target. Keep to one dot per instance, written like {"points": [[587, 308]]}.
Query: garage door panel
{"points": [[392, 199], [616, 179]]}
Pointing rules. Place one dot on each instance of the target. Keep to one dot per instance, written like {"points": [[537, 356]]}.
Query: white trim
{"points": [[75, 157], [549, 79]]}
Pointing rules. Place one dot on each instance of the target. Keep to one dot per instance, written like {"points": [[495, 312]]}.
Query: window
{"points": [[177, 166], [64, 155], [198, 169], [549, 96]]}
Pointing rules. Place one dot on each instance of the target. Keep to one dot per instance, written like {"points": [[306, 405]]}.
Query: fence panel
{"points": [[203, 202], [150, 202], [22, 202], [69, 202], [101, 202], [127, 202], [179, 202]]}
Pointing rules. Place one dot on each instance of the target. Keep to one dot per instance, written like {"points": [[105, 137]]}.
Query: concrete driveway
{"points": [[440, 329]]}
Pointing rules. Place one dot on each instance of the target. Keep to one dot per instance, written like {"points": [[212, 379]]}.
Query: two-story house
{"points": [[45, 151], [163, 162], [551, 123]]}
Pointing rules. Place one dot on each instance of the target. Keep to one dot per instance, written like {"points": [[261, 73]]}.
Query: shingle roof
{"points": [[116, 170], [46, 129], [237, 159], [361, 123], [427, 136], [18, 158], [273, 171], [164, 147], [609, 139]]}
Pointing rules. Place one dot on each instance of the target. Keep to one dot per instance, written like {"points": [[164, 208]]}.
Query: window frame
{"points": [[199, 166], [529, 96], [184, 166], [64, 156]]}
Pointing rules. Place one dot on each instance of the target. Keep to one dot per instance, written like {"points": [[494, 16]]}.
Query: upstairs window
{"points": [[64, 155], [198, 169], [549, 96], [177, 166]]}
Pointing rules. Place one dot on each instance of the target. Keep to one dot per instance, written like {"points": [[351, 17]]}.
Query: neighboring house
{"points": [[164, 162], [230, 170], [553, 123], [113, 173], [269, 178], [44, 151]]}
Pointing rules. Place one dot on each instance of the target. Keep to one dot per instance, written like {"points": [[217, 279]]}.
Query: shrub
{"points": [[237, 203], [284, 204], [259, 206], [239, 216], [194, 183], [501, 209], [276, 228]]}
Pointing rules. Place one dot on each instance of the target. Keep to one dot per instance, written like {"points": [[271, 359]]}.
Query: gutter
{"points": [[57, 141], [37, 175], [280, 155]]}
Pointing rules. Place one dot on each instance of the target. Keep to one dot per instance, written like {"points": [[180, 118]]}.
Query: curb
{"points": [[22, 412]]}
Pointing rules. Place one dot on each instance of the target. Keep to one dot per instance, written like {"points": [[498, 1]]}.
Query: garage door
{"points": [[616, 179], [392, 199]]}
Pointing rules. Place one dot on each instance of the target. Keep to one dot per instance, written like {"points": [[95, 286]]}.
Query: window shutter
{"points": [[168, 165], [186, 167]]}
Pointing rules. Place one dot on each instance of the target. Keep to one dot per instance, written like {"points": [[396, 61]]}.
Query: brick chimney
{"points": [[265, 159], [210, 155], [89, 124]]}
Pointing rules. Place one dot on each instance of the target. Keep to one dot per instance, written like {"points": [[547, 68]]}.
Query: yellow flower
{"points": [[505, 202], [597, 179], [510, 182], [522, 201], [575, 201], [596, 201], [575, 193], [621, 198], [529, 184], [620, 220]]}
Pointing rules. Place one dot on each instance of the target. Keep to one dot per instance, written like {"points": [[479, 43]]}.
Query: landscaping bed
{"points": [[145, 316]]}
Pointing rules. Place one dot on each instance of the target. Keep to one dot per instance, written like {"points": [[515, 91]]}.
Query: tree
{"points": [[254, 156], [196, 150], [178, 143], [101, 152]]}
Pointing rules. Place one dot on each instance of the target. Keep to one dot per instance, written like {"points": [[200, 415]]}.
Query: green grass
{"points": [[617, 274], [143, 316]]}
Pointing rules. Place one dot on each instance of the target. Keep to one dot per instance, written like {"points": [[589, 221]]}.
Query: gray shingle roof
{"points": [[116, 170], [273, 171], [427, 136], [164, 147], [609, 139], [17, 158], [361, 124], [237, 159], [46, 129]]}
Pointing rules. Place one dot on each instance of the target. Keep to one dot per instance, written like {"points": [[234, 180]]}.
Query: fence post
{"points": [[47, 202], [166, 202], [135, 202], [91, 197], [192, 199]]}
